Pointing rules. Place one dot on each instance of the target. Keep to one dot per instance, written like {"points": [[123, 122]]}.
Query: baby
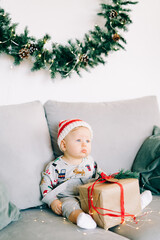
{"points": [[62, 177]]}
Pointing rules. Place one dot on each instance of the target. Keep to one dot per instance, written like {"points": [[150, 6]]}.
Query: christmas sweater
{"points": [[61, 179]]}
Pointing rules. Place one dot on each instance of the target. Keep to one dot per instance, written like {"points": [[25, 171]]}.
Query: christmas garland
{"points": [[75, 55]]}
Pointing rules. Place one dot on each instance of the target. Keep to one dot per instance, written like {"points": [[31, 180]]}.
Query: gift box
{"points": [[111, 202]]}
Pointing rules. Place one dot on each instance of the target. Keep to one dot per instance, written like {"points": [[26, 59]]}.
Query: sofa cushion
{"points": [[8, 211], [147, 225], [40, 224], [25, 148], [119, 128]]}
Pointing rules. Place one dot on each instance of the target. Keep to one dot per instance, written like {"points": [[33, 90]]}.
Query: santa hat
{"points": [[65, 126]]}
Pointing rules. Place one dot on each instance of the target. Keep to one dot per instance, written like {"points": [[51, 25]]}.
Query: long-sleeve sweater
{"points": [[61, 179]]}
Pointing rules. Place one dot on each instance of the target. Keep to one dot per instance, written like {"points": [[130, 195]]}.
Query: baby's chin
{"points": [[84, 154]]}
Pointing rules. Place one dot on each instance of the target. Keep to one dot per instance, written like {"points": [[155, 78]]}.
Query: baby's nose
{"points": [[83, 143]]}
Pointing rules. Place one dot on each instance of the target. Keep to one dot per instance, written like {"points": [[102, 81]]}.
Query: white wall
{"points": [[127, 74]]}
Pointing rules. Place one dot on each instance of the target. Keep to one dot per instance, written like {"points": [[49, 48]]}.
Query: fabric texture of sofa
{"points": [[28, 143]]}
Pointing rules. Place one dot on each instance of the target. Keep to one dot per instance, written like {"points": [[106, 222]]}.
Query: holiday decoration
{"points": [[24, 53], [84, 58], [113, 13], [75, 55], [32, 48], [122, 174], [116, 37], [111, 201]]}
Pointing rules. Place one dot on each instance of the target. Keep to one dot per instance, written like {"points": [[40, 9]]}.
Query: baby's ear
{"points": [[63, 146]]}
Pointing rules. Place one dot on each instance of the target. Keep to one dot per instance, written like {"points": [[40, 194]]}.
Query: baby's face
{"points": [[77, 143]]}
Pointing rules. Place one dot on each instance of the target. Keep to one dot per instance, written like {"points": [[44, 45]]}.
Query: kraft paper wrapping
{"points": [[107, 195]]}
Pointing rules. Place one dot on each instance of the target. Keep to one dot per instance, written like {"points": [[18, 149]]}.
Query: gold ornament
{"points": [[116, 37]]}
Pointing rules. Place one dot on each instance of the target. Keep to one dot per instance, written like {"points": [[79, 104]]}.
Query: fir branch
{"points": [[126, 174], [128, 2]]}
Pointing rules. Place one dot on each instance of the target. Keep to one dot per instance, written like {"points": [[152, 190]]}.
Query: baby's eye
{"points": [[87, 141], [78, 140]]}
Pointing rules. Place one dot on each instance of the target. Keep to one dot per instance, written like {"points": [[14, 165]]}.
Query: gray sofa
{"points": [[28, 142]]}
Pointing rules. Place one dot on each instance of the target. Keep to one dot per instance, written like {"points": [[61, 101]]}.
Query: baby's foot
{"points": [[146, 198], [86, 221]]}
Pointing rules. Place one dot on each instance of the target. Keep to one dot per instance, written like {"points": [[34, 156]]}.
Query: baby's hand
{"points": [[56, 207]]}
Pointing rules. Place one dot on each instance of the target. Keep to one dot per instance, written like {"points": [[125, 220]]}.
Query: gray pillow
{"points": [[8, 211], [25, 148], [119, 128]]}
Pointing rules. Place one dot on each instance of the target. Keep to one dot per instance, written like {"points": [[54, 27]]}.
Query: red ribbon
{"points": [[122, 213]]}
